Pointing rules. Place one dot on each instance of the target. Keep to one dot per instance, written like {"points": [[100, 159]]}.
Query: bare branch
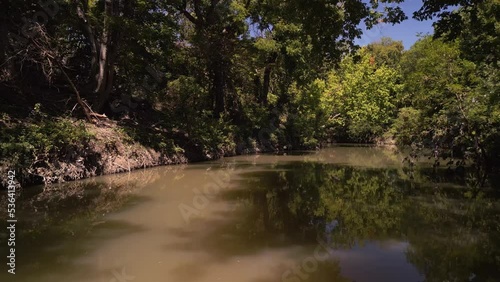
{"points": [[190, 17], [43, 55]]}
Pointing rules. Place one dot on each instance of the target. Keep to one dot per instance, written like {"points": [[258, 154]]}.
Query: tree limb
{"points": [[81, 11], [86, 109], [190, 17]]}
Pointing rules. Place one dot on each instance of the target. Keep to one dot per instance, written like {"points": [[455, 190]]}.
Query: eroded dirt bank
{"points": [[108, 151], [112, 149]]}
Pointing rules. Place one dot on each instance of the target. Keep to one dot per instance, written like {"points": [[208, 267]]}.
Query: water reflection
{"points": [[446, 235], [56, 221], [341, 214]]}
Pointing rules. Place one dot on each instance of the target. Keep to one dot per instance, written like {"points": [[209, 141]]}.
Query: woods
{"points": [[221, 76]]}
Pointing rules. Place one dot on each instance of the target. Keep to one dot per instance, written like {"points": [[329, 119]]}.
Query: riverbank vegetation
{"points": [[201, 79]]}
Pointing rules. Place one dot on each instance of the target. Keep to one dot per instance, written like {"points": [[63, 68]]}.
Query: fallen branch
{"points": [[44, 52], [86, 109]]}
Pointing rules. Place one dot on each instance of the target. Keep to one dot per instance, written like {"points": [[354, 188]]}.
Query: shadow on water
{"points": [[426, 218], [375, 219], [60, 223]]}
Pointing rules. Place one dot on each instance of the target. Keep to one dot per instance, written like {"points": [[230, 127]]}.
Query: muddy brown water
{"points": [[339, 214]]}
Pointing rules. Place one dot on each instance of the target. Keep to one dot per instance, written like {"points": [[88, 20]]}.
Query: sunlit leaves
{"points": [[363, 96]]}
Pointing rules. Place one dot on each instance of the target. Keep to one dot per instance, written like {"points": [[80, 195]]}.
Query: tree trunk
{"points": [[81, 11], [107, 53], [257, 87], [216, 66], [86, 110], [103, 51], [212, 45], [218, 90], [267, 78], [265, 87], [233, 102]]}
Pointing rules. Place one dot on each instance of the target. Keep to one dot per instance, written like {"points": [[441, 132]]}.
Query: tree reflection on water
{"points": [[453, 231]]}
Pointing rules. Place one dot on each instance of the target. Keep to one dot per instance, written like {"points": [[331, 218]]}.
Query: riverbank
{"points": [[100, 149], [47, 150], [64, 149]]}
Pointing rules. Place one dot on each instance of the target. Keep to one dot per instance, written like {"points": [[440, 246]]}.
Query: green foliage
{"points": [[214, 136], [386, 52], [363, 97], [356, 102], [185, 108], [474, 23], [157, 140], [225, 71], [452, 98], [479, 32], [407, 126], [309, 114], [185, 100], [23, 143]]}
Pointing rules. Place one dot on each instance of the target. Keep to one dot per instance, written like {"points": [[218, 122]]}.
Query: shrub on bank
{"points": [[35, 141]]}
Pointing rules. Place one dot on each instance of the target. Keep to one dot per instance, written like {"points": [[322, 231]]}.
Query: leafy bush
{"points": [[307, 119], [37, 138], [452, 99], [406, 128], [363, 98], [212, 134]]}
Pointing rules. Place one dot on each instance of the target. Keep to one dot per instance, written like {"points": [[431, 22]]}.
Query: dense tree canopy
{"points": [[225, 71]]}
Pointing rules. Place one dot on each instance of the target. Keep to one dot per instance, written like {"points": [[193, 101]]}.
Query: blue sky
{"points": [[406, 31]]}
